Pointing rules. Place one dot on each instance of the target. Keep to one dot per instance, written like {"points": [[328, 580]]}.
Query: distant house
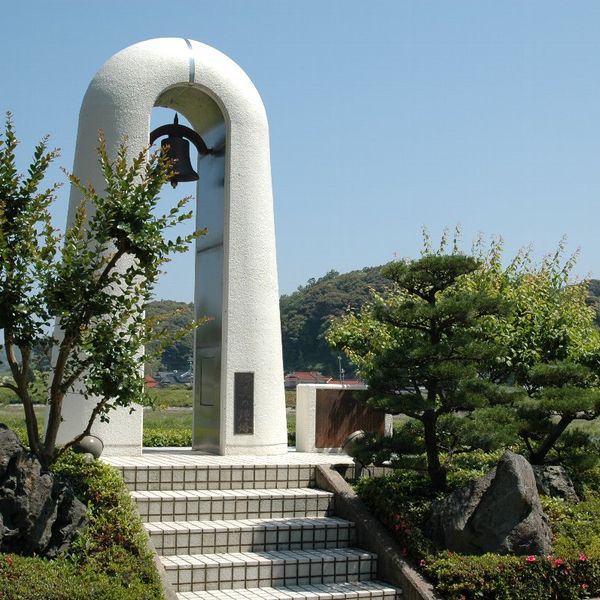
{"points": [[150, 382], [293, 379], [166, 378], [346, 382]]}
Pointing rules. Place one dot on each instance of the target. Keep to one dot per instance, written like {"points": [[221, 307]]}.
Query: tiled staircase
{"points": [[251, 531]]}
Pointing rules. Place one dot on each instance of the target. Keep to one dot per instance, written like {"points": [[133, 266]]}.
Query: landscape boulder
{"points": [[39, 513], [499, 512], [552, 480]]}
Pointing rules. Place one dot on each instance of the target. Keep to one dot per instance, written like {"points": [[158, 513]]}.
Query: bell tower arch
{"points": [[239, 405]]}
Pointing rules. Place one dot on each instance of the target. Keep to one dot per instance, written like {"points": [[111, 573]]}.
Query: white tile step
{"points": [[249, 535], [187, 475], [233, 570], [365, 590], [186, 505]]}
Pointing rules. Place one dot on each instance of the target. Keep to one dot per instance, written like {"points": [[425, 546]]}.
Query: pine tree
{"points": [[420, 346]]}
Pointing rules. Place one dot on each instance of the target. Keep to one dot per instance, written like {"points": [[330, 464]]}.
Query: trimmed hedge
{"points": [[109, 560], [160, 437]]}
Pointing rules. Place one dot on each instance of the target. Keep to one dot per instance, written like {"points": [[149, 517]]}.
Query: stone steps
{"points": [[234, 570], [173, 505], [228, 528], [367, 590], [249, 535], [215, 477]]}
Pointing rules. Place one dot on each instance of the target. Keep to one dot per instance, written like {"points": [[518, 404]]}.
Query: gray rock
{"points": [[552, 480], [9, 447], [499, 512], [39, 513]]}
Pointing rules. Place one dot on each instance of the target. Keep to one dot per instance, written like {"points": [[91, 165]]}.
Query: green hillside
{"points": [[306, 313]]}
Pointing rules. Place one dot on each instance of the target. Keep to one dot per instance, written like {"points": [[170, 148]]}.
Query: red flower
{"points": [[422, 563], [582, 556], [584, 586], [558, 562], [530, 558]]}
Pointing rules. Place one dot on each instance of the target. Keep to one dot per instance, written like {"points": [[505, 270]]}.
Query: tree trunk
{"points": [[437, 473], [538, 456]]}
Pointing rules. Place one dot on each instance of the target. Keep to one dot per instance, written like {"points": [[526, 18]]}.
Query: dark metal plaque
{"points": [[243, 403]]}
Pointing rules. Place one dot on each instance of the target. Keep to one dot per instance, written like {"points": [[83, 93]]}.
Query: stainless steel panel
{"points": [[209, 298]]}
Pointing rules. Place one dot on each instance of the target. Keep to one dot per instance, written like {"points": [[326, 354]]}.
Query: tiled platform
{"points": [[182, 457], [187, 470]]}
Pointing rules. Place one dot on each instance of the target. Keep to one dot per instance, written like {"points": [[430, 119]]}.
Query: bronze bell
{"points": [[179, 152]]}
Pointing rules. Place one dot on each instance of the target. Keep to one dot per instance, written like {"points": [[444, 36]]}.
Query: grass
{"points": [[179, 396], [162, 427]]}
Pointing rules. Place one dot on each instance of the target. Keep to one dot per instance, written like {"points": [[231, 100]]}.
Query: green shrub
{"points": [[494, 577], [160, 437], [109, 560], [8, 396], [402, 500]]}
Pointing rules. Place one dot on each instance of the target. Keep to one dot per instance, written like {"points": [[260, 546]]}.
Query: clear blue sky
{"points": [[384, 116]]}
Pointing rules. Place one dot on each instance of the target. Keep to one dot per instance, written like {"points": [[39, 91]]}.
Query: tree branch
{"points": [[20, 378], [10, 386]]}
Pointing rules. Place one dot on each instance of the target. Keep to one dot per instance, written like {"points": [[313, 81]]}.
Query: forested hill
{"points": [[594, 297], [171, 315], [306, 313]]}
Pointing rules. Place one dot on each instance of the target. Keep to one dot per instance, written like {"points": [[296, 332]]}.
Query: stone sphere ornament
{"points": [[352, 443], [90, 444]]}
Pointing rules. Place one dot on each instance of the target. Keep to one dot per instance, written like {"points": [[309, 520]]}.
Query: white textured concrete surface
{"points": [[207, 87], [188, 457]]}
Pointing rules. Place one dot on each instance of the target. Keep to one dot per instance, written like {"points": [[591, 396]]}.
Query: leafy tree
{"points": [[420, 347], [95, 287], [549, 344]]}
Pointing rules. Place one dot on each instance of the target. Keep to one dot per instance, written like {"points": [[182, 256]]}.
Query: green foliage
{"points": [[481, 355], [113, 243], [172, 317], [8, 396], [402, 501], [305, 316], [109, 560], [493, 577], [162, 437], [548, 343], [420, 348]]}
